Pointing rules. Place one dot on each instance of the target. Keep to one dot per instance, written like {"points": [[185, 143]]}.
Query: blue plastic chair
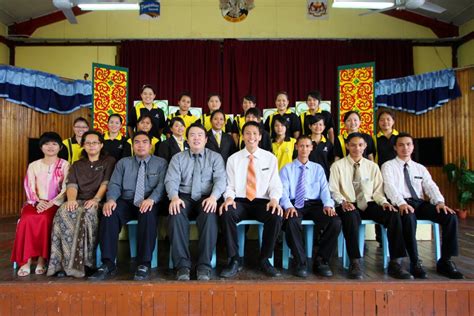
{"points": [[241, 235], [436, 236], [213, 259]]}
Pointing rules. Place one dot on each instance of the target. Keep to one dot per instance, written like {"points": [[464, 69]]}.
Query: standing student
{"points": [[115, 144], [406, 183], [194, 182], [283, 147], [184, 103], [254, 115], [356, 186], [282, 102], [45, 186], [352, 124], [144, 124], [134, 192], [217, 140], [313, 100], [176, 143], [253, 192], [248, 101], [72, 149], [214, 103], [306, 196], [322, 152], [147, 106], [385, 139]]}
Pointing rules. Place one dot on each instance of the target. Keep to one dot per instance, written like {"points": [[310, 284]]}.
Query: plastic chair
{"points": [[241, 235]]}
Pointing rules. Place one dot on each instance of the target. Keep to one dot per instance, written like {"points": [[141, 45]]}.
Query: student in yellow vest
{"points": [[352, 125], [313, 100], [115, 143], [72, 149], [146, 106], [322, 152], [248, 101], [176, 143], [283, 147], [184, 104], [145, 124], [294, 124], [214, 103], [385, 140]]}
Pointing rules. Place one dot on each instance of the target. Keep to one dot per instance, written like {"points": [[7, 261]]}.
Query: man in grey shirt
{"points": [[194, 182], [134, 190]]}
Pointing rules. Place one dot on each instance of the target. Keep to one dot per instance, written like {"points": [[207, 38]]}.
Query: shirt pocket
{"points": [[367, 187], [152, 179]]}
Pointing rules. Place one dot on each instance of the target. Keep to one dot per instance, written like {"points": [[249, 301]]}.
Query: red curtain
{"points": [[261, 67]]}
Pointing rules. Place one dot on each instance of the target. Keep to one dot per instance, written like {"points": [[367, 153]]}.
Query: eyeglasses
{"points": [[91, 143]]}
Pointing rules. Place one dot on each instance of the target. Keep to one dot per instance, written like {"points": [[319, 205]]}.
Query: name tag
{"points": [[265, 169], [418, 177], [98, 168]]}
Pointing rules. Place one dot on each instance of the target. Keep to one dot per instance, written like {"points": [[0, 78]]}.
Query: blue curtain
{"points": [[43, 92], [418, 94]]}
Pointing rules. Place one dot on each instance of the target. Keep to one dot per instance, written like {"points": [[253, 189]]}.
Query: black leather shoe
{"points": [[203, 274], [321, 267], [61, 274], [396, 271], [232, 269], [183, 274], [448, 269], [102, 273], [301, 271], [417, 270], [269, 270], [142, 273], [354, 270]]}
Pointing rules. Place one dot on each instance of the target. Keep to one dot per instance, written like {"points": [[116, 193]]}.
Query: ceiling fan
{"points": [[410, 5], [66, 6]]}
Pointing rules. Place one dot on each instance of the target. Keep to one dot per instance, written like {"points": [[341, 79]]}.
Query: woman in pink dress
{"points": [[45, 186]]}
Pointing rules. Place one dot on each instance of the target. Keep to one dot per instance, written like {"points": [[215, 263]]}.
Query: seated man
{"points": [[253, 191], [405, 181], [306, 196], [194, 182], [135, 188], [356, 185]]}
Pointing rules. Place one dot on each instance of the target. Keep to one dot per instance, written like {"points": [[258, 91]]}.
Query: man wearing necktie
{"points": [[253, 192], [306, 196], [405, 183], [134, 190], [356, 186], [194, 182]]}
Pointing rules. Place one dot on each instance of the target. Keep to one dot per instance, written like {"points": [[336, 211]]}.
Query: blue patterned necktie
{"points": [[300, 188], [196, 183], [140, 187]]}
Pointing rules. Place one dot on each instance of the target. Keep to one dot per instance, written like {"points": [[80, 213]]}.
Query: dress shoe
{"points": [[301, 271], [142, 273], [417, 270], [395, 270], [354, 270], [102, 273], [321, 267], [268, 269], [203, 274], [232, 269], [61, 274], [183, 274], [448, 269]]}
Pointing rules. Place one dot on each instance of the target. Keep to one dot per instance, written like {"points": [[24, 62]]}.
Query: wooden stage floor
{"points": [[248, 294]]}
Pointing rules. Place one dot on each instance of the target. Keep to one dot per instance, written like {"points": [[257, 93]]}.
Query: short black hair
{"points": [[101, 140], [354, 135], [216, 112], [176, 119], [198, 125], [214, 95], [250, 97], [385, 111], [115, 115], [254, 111], [252, 123], [141, 133], [147, 86], [303, 137], [47, 137], [401, 135], [315, 118], [349, 113], [314, 94], [185, 94], [81, 119]]}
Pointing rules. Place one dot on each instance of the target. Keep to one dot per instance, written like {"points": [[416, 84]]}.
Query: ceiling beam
{"points": [[27, 28], [441, 29]]}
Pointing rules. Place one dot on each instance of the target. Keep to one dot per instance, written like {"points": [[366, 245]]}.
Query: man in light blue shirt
{"points": [[306, 196]]}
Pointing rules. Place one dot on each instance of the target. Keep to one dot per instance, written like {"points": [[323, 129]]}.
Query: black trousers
{"points": [[255, 210], [351, 221], [109, 230], [448, 222], [178, 232], [331, 226]]}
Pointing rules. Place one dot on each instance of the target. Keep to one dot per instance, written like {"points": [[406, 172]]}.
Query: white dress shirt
{"points": [[266, 170], [342, 188], [395, 185]]}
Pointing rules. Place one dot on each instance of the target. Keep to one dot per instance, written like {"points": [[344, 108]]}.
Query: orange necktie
{"points": [[251, 189]]}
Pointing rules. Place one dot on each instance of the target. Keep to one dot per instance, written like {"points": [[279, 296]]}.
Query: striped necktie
{"points": [[140, 187], [300, 188], [251, 188]]}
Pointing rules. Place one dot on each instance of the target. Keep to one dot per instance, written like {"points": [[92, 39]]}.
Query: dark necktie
{"points": [[406, 174], [140, 187], [357, 183], [300, 188], [196, 184]]}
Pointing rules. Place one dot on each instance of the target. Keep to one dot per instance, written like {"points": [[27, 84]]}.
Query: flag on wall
{"points": [[110, 92], [356, 92]]}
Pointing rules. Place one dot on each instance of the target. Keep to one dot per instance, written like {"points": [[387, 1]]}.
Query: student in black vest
{"points": [[294, 124], [72, 149], [217, 140], [352, 124], [214, 103], [248, 101], [322, 152], [115, 143], [176, 143], [313, 100]]}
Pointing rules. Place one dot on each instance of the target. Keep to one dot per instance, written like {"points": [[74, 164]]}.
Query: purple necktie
{"points": [[300, 188]]}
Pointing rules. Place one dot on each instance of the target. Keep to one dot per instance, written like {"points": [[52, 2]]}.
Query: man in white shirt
{"points": [[253, 191], [405, 181], [356, 186]]}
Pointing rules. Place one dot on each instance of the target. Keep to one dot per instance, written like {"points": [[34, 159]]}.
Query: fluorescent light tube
{"points": [[352, 4], [111, 6]]}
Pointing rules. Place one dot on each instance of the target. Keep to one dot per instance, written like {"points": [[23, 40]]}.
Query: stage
{"points": [[249, 294]]}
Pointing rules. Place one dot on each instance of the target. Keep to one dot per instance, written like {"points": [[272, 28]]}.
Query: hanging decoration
{"points": [[236, 10]]}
